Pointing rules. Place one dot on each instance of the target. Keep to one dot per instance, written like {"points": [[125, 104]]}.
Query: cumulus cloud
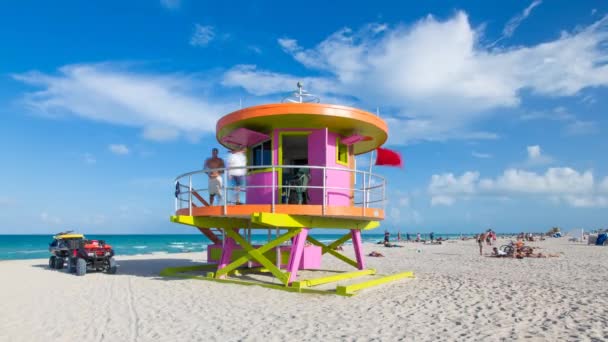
{"points": [[575, 188], [408, 68], [119, 149], [164, 105], [536, 156], [202, 35]]}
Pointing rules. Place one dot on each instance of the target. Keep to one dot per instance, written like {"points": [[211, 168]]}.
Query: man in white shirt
{"points": [[237, 163]]}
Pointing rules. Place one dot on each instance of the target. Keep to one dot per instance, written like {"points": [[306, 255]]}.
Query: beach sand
{"points": [[456, 295]]}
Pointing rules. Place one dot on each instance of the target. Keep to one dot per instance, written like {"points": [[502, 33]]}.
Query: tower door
{"points": [[293, 152]]}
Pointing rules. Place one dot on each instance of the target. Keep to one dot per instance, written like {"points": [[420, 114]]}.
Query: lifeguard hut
{"points": [[301, 176]]}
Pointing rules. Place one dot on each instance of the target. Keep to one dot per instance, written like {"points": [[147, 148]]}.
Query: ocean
{"points": [[36, 246]]}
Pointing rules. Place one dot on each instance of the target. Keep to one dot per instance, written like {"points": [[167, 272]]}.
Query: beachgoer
{"points": [[431, 236], [399, 236], [237, 161], [387, 236], [417, 237], [407, 236], [375, 254], [480, 239], [215, 176]]}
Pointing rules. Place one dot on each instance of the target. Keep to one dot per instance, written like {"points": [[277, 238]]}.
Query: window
{"points": [[261, 154], [341, 152]]}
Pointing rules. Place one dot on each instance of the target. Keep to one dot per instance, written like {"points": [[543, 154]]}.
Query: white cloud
{"points": [[604, 186], [575, 188], [481, 155], [261, 83], [442, 200], [109, 93], [408, 68], [580, 127], [48, 219], [171, 4], [202, 35], [255, 49], [118, 149], [536, 157], [89, 159], [514, 22]]}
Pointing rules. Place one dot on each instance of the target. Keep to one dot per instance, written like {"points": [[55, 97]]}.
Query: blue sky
{"points": [[497, 108]]}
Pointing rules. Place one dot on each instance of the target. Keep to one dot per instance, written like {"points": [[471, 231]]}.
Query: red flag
{"points": [[388, 157]]}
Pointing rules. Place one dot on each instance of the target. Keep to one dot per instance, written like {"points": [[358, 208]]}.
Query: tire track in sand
{"points": [[132, 312], [107, 310]]}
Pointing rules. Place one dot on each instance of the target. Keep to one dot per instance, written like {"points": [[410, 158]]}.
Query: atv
{"points": [[81, 254]]}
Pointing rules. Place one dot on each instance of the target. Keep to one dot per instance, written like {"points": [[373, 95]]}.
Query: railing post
{"points": [[190, 194], [364, 192], [225, 176], [324, 190], [273, 187]]}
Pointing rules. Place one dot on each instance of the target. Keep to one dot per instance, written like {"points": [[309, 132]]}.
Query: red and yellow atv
{"points": [[81, 254]]}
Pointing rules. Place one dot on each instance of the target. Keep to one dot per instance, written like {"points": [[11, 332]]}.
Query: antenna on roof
{"points": [[301, 96]]}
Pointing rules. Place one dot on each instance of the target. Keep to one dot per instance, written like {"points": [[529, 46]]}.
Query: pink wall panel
{"points": [[336, 178], [260, 195]]}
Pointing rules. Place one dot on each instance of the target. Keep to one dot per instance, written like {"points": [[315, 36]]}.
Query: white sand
{"points": [[457, 295]]}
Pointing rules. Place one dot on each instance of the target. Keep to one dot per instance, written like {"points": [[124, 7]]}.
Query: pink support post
{"points": [[297, 249], [229, 246], [356, 236]]}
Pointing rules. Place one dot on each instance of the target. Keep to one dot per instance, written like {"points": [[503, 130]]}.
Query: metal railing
{"points": [[367, 192]]}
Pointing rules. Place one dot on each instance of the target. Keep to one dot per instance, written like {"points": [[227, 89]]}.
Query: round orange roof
{"points": [[346, 121]]}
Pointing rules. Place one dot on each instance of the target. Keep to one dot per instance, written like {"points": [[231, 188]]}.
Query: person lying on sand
{"points": [[375, 254], [498, 253], [388, 244], [338, 248]]}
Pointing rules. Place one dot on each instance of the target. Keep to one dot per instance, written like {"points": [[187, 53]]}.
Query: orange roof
{"points": [[340, 119]]}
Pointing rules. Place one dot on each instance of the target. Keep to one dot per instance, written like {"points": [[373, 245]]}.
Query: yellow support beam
{"points": [[304, 221], [330, 279], [177, 272], [349, 290], [220, 222], [258, 254]]}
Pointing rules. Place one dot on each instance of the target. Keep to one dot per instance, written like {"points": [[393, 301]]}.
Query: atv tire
{"points": [[52, 261], [58, 263], [111, 266], [81, 267]]}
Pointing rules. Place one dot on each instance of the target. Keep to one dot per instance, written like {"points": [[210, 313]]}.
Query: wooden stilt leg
{"points": [[297, 249], [356, 236]]}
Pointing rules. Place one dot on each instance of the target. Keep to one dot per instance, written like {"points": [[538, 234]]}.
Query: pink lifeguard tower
{"points": [[301, 175]]}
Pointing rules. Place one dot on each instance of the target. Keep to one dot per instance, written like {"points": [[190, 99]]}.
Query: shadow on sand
{"points": [[149, 268]]}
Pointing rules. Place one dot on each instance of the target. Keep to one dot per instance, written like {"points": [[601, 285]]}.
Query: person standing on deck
{"points": [[215, 176], [237, 162]]}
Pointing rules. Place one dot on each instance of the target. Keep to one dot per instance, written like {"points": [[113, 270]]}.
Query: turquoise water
{"points": [[36, 246]]}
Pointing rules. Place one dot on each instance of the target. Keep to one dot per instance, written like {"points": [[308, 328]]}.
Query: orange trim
{"points": [[245, 210], [342, 119]]}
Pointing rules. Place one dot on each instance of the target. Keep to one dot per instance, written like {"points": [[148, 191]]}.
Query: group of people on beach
{"points": [[237, 162], [487, 237]]}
